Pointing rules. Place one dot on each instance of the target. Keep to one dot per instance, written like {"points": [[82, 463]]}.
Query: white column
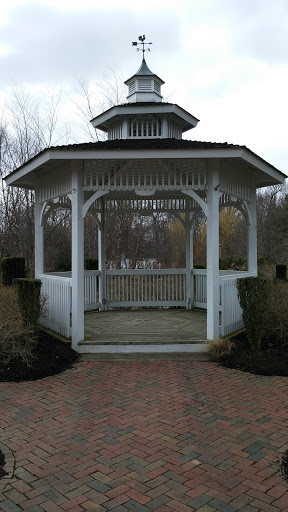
{"points": [[124, 129], [189, 257], [39, 237], [213, 250], [164, 134], [102, 258], [252, 233], [77, 254]]}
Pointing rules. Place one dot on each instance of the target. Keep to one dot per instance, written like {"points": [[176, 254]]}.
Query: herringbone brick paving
{"points": [[145, 436]]}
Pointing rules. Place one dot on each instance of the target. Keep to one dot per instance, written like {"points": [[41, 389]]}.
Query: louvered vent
{"points": [[144, 84], [157, 86], [132, 87]]}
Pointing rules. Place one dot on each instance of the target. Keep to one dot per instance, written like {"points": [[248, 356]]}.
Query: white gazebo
{"points": [[146, 166]]}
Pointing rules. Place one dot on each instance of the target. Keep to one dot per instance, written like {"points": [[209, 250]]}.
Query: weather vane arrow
{"points": [[143, 49]]}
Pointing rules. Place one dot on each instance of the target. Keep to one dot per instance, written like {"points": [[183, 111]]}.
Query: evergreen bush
{"points": [[12, 268], [17, 342], [91, 264], [281, 272], [253, 295], [29, 300], [276, 326]]}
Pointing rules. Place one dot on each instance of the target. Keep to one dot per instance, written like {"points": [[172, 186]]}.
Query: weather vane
{"points": [[142, 39]]}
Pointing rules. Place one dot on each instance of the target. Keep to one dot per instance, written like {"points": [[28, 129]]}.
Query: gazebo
{"points": [[145, 165]]}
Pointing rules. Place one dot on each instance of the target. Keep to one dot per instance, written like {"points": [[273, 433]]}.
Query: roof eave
{"points": [[188, 120], [275, 176]]}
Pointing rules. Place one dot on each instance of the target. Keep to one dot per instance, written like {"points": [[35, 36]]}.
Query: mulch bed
{"points": [[271, 361], [52, 357], [2, 464]]}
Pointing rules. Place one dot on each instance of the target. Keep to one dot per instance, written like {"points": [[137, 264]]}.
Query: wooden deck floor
{"points": [[142, 326]]}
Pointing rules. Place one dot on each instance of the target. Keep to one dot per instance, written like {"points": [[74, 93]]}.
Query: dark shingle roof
{"points": [[146, 144], [136, 144]]}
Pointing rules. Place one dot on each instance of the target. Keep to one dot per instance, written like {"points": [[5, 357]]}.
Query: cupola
{"points": [[145, 115], [144, 86]]}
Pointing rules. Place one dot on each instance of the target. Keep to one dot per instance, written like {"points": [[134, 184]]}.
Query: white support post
{"points": [[213, 250], [39, 237], [164, 134], [125, 129], [189, 257], [102, 258], [77, 254], [252, 233]]}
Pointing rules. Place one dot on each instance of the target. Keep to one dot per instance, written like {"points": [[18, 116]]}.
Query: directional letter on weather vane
{"points": [[142, 39]]}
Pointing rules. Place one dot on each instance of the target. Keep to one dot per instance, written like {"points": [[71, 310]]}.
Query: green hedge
{"points": [[29, 300], [253, 297], [281, 272], [12, 268]]}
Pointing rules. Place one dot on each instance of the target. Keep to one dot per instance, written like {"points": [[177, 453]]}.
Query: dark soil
{"points": [[51, 357], [2, 464], [272, 360], [284, 465]]}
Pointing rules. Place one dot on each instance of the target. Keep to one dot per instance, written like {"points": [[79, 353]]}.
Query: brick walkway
{"points": [[145, 436]]}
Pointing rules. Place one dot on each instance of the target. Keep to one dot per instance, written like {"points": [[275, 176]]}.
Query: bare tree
{"points": [[92, 98], [272, 224], [29, 124]]}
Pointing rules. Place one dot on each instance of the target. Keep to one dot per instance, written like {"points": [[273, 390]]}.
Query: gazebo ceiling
{"points": [[142, 153]]}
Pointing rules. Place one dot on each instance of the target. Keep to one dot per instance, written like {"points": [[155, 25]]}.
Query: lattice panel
{"points": [[146, 205], [54, 183], [239, 184], [145, 176]]}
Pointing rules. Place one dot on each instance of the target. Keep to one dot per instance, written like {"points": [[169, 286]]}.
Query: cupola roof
{"points": [[144, 71], [144, 115]]}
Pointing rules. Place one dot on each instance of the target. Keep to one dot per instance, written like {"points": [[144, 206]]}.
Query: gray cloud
{"points": [[47, 44], [258, 28]]}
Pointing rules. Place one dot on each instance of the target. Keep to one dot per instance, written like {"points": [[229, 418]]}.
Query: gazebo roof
{"points": [[144, 71], [143, 149], [186, 119]]}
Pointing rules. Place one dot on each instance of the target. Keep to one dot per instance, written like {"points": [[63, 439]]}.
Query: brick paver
{"points": [[144, 436]]}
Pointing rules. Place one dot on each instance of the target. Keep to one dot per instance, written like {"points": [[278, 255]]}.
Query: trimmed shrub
{"points": [[253, 295], [29, 300], [281, 272], [276, 325], [12, 268], [17, 342], [91, 264]]}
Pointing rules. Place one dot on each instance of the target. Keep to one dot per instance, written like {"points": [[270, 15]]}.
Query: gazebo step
{"points": [[141, 340], [159, 349], [145, 357]]}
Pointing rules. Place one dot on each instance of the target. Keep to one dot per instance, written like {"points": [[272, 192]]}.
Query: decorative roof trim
{"points": [[115, 150], [187, 119]]}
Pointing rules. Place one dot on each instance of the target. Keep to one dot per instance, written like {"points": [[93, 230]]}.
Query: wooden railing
{"points": [[57, 291], [140, 288], [231, 312], [200, 288], [91, 289], [126, 288]]}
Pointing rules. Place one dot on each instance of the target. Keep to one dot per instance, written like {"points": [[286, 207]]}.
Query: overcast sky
{"points": [[225, 61]]}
